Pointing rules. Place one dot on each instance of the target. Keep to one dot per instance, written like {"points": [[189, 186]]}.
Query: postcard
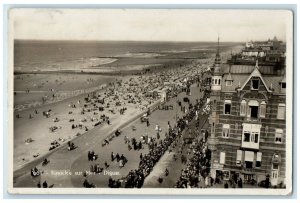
{"points": [[150, 101]]}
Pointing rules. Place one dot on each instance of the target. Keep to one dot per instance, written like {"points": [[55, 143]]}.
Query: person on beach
{"points": [[112, 156], [118, 157]]}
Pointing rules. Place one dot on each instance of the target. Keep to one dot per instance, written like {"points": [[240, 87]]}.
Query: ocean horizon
{"points": [[36, 55]]}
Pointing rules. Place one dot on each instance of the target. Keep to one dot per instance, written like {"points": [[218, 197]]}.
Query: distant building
{"points": [[268, 53], [247, 122]]}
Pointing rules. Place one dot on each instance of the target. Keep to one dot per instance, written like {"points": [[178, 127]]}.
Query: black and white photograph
{"points": [[150, 101]]}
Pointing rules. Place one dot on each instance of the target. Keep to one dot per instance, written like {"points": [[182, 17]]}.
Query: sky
{"points": [[149, 24]]}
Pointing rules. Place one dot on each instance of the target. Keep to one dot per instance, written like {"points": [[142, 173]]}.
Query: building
{"points": [[247, 123], [268, 53]]}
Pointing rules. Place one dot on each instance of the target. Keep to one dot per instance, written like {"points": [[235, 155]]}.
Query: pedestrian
{"points": [[45, 184], [112, 156], [240, 183], [118, 157], [106, 165], [226, 185], [89, 155]]}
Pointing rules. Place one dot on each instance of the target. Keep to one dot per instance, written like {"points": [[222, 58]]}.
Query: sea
{"points": [[31, 55]]}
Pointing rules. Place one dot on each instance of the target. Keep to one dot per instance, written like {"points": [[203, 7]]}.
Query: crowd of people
{"points": [[117, 97], [196, 172], [157, 147]]}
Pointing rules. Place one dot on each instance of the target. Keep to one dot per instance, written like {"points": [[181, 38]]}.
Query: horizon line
{"points": [[95, 40]]}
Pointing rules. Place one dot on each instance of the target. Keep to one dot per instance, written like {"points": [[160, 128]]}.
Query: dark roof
{"points": [[246, 69], [228, 77], [240, 79], [275, 81]]}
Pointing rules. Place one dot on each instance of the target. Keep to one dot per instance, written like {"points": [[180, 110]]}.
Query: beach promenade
{"points": [[64, 162]]}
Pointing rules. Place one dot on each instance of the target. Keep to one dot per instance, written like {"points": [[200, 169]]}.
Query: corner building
{"points": [[247, 124]]}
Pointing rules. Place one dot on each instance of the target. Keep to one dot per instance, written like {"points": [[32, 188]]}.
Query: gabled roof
{"points": [[228, 77], [239, 79], [255, 73]]}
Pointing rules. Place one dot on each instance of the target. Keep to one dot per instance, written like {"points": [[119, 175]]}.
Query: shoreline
{"points": [[74, 94]]}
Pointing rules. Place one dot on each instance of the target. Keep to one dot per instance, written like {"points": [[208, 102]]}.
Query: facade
{"points": [[247, 125]]}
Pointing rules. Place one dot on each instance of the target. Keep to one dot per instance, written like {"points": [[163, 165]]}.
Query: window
{"points": [[249, 157], [275, 166], [227, 107], [222, 157], [283, 87], [252, 110], [274, 174], [243, 108], [278, 136], [254, 137], [255, 84], [258, 159], [219, 81], [225, 131], [251, 135], [263, 109], [276, 158], [228, 83], [247, 136], [239, 157], [281, 111]]}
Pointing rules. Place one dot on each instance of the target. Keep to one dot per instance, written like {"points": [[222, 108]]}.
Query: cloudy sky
{"points": [[149, 25]]}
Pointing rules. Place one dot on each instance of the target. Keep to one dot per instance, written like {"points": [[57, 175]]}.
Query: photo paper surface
{"points": [[150, 101]]}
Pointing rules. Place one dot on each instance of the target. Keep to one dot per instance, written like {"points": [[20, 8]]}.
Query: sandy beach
{"points": [[131, 93]]}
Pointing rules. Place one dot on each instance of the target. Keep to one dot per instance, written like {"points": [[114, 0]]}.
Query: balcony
{"points": [[250, 145], [247, 170], [252, 120], [251, 136]]}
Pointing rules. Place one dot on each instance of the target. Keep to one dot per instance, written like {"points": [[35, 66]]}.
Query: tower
{"points": [[216, 75], [214, 99]]}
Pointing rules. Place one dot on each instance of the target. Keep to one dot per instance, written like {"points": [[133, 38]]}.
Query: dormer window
{"points": [[228, 83], [254, 84]]}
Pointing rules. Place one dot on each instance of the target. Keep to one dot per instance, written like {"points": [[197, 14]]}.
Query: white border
{"points": [[164, 191]]}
